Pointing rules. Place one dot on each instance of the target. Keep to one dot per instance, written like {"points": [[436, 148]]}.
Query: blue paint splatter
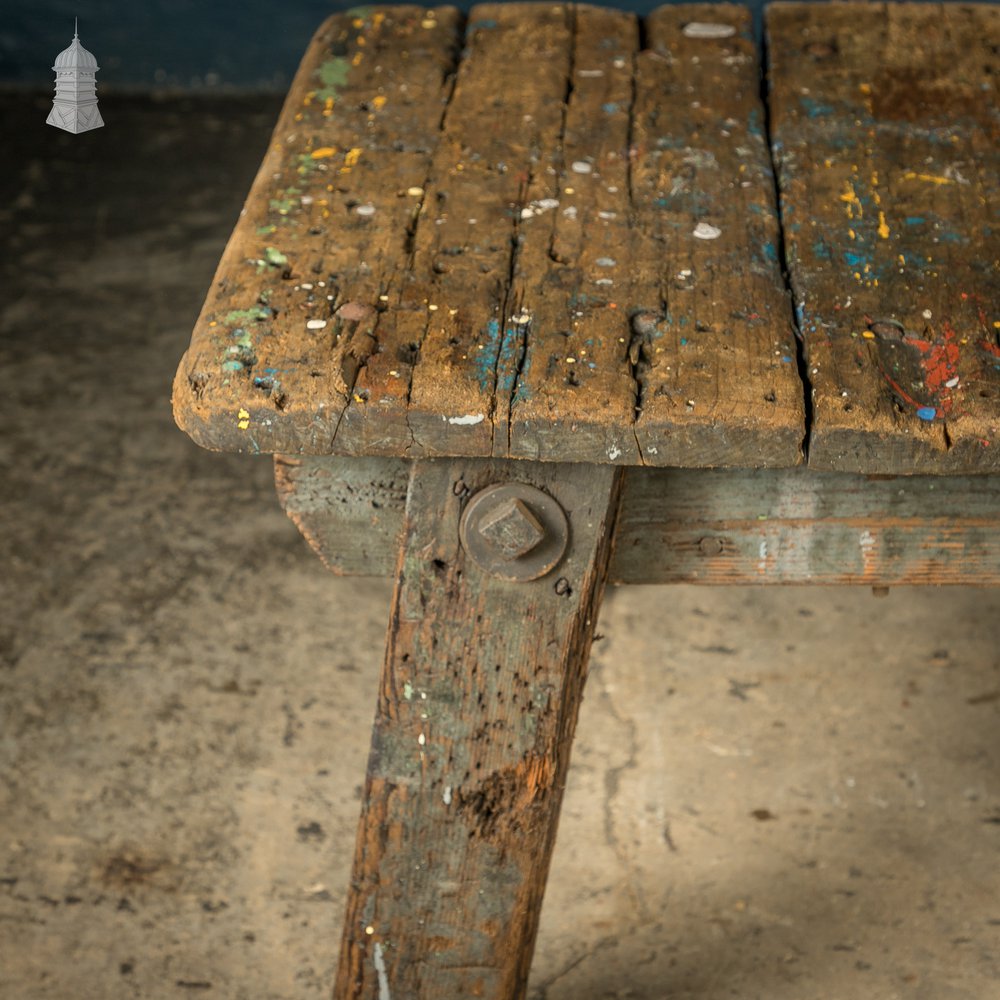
{"points": [[821, 251], [610, 108], [814, 108], [915, 220], [927, 413], [786, 359], [484, 361], [771, 252]]}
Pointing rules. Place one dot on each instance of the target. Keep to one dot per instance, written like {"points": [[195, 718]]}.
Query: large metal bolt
{"points": [[514, 531]]}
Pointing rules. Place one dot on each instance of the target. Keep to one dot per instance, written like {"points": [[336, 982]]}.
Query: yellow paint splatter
{"points": [[852, 201], [351, 157], [930, 178], [378, 103], [868, 335], [883, 228], [323, 152], [902, 260], [358, 399], [243, 419], [865, 88], [358, 56]]}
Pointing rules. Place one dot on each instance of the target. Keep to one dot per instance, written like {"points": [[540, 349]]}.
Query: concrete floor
{"points": [[787, 794]]}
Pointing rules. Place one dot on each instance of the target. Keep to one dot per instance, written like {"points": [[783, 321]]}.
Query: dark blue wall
{"points": [[174, 43]]}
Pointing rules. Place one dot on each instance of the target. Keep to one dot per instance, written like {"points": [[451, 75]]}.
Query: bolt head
{"points": [[512, 529]]}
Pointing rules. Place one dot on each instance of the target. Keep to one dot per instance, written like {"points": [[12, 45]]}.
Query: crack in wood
{"points": [[787, 272]]}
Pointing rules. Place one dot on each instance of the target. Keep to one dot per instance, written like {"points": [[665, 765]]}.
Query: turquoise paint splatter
{"points": [[814, 108], [485, 360]]}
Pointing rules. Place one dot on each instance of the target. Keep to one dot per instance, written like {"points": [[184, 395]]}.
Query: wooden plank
{"points": [[505, 251], [294, 310], [714, 354], [766, 526], [500, 124], [887, 136], [568, 389], [480, 690]]}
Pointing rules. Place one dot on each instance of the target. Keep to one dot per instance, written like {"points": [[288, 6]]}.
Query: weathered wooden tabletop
{"points": [[553, 232]]}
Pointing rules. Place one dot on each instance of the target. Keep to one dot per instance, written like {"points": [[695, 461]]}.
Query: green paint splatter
{"points": [[274, 257], [332, 74], [246, 315], [361, 11], [408, 691], [266, 230], [281, 205]]}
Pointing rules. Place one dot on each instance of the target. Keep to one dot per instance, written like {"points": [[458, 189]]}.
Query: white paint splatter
{"points": [[703, 29], [704, 231], [446, 797], [762, 554], [613, 452], [365, 210], [380, 970], [582, 167], [315, 324], [469, 418], [590, 72]]}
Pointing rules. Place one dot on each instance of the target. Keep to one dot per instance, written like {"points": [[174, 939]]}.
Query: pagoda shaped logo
{"points": [[75, 106]]}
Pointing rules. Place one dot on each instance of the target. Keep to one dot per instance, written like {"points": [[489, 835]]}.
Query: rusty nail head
{"points": [[514, 531], [890, 329], [710, 545]]}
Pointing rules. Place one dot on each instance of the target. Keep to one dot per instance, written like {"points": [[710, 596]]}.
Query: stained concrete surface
{"points": [[788, 794]]}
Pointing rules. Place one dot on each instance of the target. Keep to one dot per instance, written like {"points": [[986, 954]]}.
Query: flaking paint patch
{"points": [[378, 959]]}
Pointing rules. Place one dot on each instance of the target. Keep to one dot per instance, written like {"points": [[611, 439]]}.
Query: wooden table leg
{"points": [[480, 690]]}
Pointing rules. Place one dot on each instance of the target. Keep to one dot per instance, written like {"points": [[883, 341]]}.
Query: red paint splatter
{"points": [[939, 360], [990, 348]]}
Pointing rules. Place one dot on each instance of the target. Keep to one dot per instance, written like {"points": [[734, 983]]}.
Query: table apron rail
{"points": [[718, 526]]}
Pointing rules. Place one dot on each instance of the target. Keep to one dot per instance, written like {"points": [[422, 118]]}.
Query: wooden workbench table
{"points": [[729, 338]]}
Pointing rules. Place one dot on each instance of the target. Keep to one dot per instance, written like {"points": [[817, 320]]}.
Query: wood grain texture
{"points": [[306, 278], [766, 526], [887, 138], [478, 701], [516, 237]]}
